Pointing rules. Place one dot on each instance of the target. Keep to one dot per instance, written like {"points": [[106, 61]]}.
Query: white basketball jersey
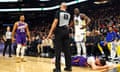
{"points": [[78, 23]]}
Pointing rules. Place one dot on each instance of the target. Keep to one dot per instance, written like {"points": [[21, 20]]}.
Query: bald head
{"points": [[76, 11], [63, 6]]}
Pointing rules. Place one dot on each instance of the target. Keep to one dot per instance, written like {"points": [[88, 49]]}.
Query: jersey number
{"points": [[65, 16], [22, 30]]}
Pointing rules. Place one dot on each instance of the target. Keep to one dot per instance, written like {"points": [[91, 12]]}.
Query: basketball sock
{"points": [[18, 50], [78, 48], [22, 51], [84, 48], [113, 51]]}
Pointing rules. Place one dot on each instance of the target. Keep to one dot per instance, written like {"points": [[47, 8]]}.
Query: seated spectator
{"points": [[32, 50], [44, 47], [110, 43], [50, 47], [39, 41]]}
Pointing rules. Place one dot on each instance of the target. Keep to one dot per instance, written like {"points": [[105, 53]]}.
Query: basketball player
{"points": [[7, 39], [96, 63], [60, 28], [80, 22], [20, 31]]}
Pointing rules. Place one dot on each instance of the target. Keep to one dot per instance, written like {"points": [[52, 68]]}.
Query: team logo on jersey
{"points": [[76, 22]]}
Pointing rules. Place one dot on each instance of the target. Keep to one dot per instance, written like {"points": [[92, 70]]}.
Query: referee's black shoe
{"points": [[67, 69], [10, 56], [56, 70]]}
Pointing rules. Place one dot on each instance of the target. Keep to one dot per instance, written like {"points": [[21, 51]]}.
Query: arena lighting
{"points": [[8, 0], [101, 2], [40, 9], [44, 0]]}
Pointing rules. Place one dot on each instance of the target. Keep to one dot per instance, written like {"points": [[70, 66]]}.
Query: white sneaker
{"points": [[42, 54], [78, 55], [46, 54], [84, 56]]}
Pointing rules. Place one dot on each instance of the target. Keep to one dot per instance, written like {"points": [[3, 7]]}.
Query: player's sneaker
{"points": [[18, 60], [23, 60]]}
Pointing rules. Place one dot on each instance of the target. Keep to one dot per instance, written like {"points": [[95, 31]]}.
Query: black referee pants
{"points": [[7, 43], [62, 43]]}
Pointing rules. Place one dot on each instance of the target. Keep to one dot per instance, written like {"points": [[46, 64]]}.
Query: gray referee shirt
{"points": [[63, 17], [8, 35]]}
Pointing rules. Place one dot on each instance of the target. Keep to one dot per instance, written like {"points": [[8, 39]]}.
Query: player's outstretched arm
{"points": [[95, 67]]}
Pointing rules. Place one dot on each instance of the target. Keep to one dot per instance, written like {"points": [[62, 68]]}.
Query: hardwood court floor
{"points": [[33, 64]]}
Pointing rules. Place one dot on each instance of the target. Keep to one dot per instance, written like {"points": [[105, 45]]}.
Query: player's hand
{"points": [[29, 40], [84, 26], [49, 36], [5, 40], [105, 43]]}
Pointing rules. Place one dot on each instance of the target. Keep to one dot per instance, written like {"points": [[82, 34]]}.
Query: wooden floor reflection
{"points": [[33, 64]]}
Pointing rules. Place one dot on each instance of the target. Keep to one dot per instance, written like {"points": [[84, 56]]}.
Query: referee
{"points": [[61, 31], [7, 39]]}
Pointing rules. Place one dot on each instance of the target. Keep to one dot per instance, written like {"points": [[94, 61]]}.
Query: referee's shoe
{"points": [[65, 69], [56, 70]]}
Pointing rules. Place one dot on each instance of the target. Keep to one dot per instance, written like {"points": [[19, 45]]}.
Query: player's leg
{"points": [[17, 52], [118, 51], [22, 53], [113, 50], [83, 48], [23, 48], [78, 48], [77, 40], [100, 48]]}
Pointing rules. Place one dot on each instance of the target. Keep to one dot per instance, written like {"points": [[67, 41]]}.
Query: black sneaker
{"points": [[3, 54], [10, 56], [56, 70], [67, 69]]}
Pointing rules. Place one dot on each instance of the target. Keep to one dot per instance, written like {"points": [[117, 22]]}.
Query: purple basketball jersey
{"points": [[79, 61], [21, 33]]}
